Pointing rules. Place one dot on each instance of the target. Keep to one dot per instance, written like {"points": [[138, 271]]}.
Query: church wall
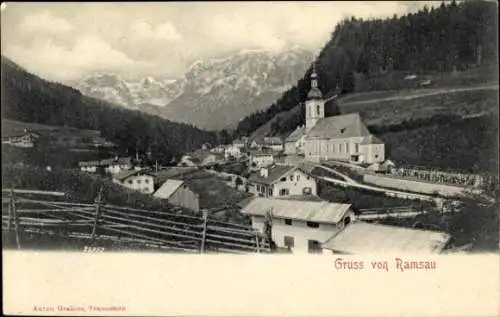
{"points": [[374, 153]]}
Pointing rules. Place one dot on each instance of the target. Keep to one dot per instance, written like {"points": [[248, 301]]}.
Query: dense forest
{"points": [[28, 98], [451, 37]]}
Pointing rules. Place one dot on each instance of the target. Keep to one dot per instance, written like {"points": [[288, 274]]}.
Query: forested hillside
{"points": [[375, 54], [28, 98]]}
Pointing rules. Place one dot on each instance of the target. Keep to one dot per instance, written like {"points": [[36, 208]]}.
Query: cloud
{"points": [[44, 21], [56, 62], [147, 31]]}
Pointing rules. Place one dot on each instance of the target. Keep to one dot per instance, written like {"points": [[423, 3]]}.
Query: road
{"points": [[421, 93]]}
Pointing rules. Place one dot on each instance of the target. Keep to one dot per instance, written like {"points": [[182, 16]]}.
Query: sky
{"points": [[67, 41]]}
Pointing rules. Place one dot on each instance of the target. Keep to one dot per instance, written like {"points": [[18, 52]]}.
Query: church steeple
{"points": [[314, 93], [315, 105]]}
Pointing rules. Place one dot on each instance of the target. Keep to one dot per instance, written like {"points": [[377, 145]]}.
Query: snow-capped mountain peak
{"points": [[213, 93]]}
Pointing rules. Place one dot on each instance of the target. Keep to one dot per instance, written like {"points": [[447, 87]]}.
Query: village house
{"points": [[240, 143], [294, 143], [365, 238], [117, 164], [274, 143], [258, 159], [342, 137], [232, 151], [23, 139], [188, 161], [136, 180], [200, 191], [281, 181], [109, 166], [300, 226]]}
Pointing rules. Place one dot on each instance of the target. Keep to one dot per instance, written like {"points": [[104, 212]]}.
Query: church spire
{"points": [[314, 93]]}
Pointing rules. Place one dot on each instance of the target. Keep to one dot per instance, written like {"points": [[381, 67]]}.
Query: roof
{"points": [[88, 163], [371, 140], [296, 134], [314, 211], [14, 134], [122, 175], [302, 198], [173, 171], [168, 188], [388, 163], [120, 161], [362, 237], [273, 140], [275, 172], [339, 127]]}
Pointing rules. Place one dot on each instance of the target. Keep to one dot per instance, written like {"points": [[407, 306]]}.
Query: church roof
{"points": [[339, 127]]}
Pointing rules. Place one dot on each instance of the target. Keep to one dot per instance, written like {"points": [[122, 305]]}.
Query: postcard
{"points": [[250, 158]]}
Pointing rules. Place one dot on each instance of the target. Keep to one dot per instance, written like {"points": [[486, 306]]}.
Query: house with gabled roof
{"points": [[298, 225], [138, 180], [281, 181]]}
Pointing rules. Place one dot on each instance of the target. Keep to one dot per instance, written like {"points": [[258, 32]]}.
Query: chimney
{"points": [[264, 172]]}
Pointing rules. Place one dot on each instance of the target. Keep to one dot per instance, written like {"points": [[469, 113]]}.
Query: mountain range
{"points": [[213, 94]]}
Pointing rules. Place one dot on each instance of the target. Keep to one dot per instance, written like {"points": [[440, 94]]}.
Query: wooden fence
{"points": [[97, 222]]}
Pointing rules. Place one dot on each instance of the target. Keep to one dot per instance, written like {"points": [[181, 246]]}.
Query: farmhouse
{"points": [[301, 226], [258, 159], [274, 143], [364, 238], [136, 180], [110, 166], [342, 137], [232, 151], [281, 181], [20, 139]]}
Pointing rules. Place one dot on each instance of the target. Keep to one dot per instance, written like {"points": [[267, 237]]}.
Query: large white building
{"points": [[300, 226], [136, 180], [342, 137]]}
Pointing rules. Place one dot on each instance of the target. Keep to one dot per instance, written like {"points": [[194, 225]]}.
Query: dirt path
{"points": [[424, 93]]}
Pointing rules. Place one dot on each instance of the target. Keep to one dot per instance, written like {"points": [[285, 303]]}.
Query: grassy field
{"points": [[409, 107], [469, 145]]}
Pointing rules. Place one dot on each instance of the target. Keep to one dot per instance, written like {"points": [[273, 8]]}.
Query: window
{"points": [[288, 222], [145, 189], [314, 246], [311, 224], [376, 155], [308, 177], [298, 177], [139, 181], [270, 192], [291, 177], [317, 110], [356, 147], [284, 192], [258, 187], [340, 147], [130, 182], [347, 147], [289, 242], [146, 181], [283, 179]]}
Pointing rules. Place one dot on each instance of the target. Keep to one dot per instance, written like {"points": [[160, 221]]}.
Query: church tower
{"points": [[315, 105]]}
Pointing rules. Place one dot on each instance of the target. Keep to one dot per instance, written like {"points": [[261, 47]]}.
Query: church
{"points": [[343, 137]]}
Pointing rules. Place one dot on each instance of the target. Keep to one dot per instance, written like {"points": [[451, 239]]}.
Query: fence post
{"points": [[203, 238], [16, 220], [97, 203], [11, 206], [258, 244]]}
